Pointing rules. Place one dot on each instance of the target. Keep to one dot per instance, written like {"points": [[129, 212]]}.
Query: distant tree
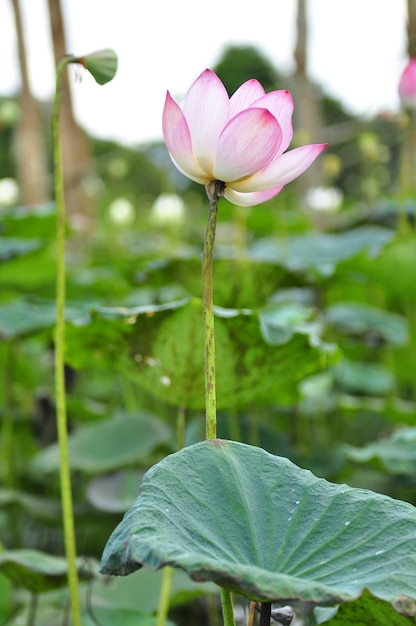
{"points": [[319, 117], [408, 156], [240, 63], [125, 171], [8, 114], [308, 97], [29, 143], [411, 28], [77, 157]]}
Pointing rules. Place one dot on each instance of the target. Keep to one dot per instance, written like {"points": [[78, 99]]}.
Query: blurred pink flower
{"points": [[407, 85], [240, 141]]}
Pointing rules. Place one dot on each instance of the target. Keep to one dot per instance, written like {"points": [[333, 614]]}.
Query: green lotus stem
{"points": [[227, 608], [164, 598], [33, 607], [61, 415], [215, 190], [180, 427]]}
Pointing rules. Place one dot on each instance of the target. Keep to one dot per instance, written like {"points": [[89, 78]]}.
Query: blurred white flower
{"points": [[9, 192], [118, 168], [168, 208], [325, 199], [121, 211]]}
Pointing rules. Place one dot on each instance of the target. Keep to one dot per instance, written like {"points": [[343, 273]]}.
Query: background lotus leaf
{"points": [[369, 323], [161, 348], [119, 617], [321, 251], [142, 590], [109, 444], [397, 454], [369, 379], [11, 247], [368, 611], [38, 571]]}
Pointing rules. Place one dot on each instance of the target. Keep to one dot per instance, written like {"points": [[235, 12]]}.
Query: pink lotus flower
{"points": [[407, 85], [240, 141]]}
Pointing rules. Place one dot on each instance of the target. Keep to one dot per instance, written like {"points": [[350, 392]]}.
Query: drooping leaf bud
{"points": [[102, 64]]}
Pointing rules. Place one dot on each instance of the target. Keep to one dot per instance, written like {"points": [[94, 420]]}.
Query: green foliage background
{"points": [[316, 326]]}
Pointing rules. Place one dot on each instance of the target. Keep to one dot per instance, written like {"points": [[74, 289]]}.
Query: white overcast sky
{"points": [[357, 50]]}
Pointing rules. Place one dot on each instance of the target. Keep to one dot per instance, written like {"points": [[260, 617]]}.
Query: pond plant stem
{"points": [[251, 610], [61, 414], [167, 578], [164, 597], [265, 613], [7, 446], [214, 190], [227, 608]]}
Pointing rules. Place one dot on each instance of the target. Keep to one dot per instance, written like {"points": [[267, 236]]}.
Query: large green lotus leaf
{"points": [[266, 529], [369, 323], [370, 611], [321, 252], [36, 570], [161, 348], [109, 444], [397, 454]]}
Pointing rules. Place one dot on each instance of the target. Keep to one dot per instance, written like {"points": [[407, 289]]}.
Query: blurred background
{"points": [[343, 63], [355, 52], [315, 289]]}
